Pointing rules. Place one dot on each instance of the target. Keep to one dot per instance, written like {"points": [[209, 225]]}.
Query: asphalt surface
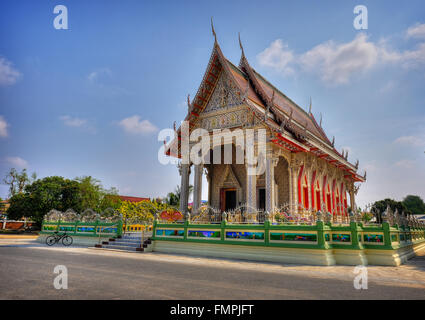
{"points": [[26, 272]]}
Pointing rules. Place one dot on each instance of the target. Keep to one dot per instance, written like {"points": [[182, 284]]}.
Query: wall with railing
{"points": [[87, 224], [323, 233]]}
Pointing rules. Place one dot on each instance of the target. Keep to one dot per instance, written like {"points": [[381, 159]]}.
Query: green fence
{"points": [[319, 236], [86, 229]]}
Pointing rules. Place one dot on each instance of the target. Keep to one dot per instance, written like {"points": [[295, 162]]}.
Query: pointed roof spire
{"points": [[189, 108], [320, 123], [309, 109], [213, 31], [240, 45]]}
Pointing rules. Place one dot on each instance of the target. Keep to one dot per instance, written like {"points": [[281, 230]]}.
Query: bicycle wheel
{"points": [[67, 241], [50, 240]]}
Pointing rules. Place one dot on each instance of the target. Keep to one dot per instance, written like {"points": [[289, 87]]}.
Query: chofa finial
{"points": [[189, 108], [240, 44], [213, 31], [309, 109]]}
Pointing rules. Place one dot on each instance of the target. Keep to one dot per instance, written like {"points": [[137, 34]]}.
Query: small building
{"points": [[133, 199]]}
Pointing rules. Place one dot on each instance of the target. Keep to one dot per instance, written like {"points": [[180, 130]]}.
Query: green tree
{"points": [[109, 199], [43, 195], [381, 206], [173, 198], [95, 197], [18, 180], [91, 192], [414, 204]]}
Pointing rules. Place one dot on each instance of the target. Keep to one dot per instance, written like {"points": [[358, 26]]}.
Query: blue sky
{"points": [[90, 100]]}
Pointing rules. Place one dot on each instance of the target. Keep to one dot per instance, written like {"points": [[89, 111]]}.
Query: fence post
{"points": [[119, 228], [154, 225], [95, 226], [266, 228], [355, 244], [223, 225], [321, 241], [387, 234], [186, 225], [320, 226], [100, 233]]}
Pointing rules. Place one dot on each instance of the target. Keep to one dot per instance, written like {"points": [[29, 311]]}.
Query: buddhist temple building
{"points": [[303, 170]]}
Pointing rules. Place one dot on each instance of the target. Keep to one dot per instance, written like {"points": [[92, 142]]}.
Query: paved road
{"points": [[26, 272]]}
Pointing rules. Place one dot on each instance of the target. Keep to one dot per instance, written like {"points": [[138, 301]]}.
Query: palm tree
{"points": [[173, 198]]}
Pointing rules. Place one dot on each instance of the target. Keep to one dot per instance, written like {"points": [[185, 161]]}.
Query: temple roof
{"points": [[306, 135]]}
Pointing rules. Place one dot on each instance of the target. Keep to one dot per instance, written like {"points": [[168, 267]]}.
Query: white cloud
{"points": [[392, 180], [277, 56], [8, 74], [337, 63], [411, 140], [73, 122], [135, 125], [3, 127], [346, 148], [99, 75], [413, 58], [388, 87], [416, 31], [405, 163], [17, 162]]}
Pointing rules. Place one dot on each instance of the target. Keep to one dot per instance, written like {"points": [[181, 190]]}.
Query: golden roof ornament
{"points": [[189, 108], [309, 109], [213, 31], [240, 45]]}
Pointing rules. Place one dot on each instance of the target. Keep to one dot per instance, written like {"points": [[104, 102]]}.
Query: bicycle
{"points": [[53, 239]]}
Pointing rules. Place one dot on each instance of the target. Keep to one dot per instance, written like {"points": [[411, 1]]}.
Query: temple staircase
{"points": [[130, 242]]}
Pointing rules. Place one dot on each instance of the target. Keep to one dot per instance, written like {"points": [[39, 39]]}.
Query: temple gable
{"points": [[223, 97]]}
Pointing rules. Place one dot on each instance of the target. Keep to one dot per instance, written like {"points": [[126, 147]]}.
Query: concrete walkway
{"points": [[26, 270]]}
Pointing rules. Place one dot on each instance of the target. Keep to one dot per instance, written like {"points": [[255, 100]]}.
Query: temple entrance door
{"points": [[261, 199], [228, 199]]}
